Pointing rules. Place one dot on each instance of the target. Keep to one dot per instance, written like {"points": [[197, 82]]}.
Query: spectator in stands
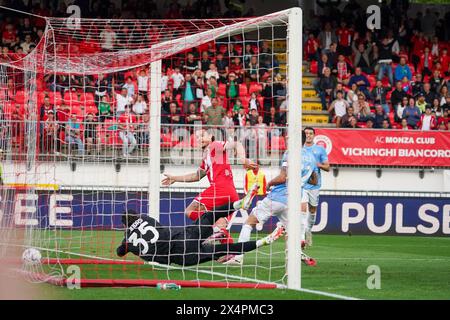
{"points": [[178, 82], [73, 134], [404, 124], [237, 68], [222, 67], [193, 116], [241, 118], [444, 95], [206, 101], [143, 130], [343, 70], [442, 126], [25, 45], [212, 73], [379, 94], [412, 114], [362, 56], [50, 135], [253, 117], [108, 37], [386, 124], [417, 84], [429, 94], [205, 62], [213, 114], [311, 47], [362, 109], [273, 118], [436, 82], [380, 117], [385, 59], [324, 63], [188, 92], [344, 36], [254, 102], [427, 120], [232, 89], [102, 85], [398, 109], [327, 36], [253, 69], [45, 108], [402, 70], [90, 132], [425, 62], [129, 86], [127, 122], [191, 64], [122, 100], [362, 82], [421, 103], [174, 116], [326, 86], [140, 107], [348, 118], [398, 94], [369, 123], [143, 84], [352, 94], [227, 120], [9, 36], [436, 107], [339, 106]]}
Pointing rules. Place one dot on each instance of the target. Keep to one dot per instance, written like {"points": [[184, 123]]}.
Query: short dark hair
{"points": [[129, 216], [309, 128]]}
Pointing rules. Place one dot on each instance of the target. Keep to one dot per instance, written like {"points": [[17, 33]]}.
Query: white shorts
{"points": [[266, 208], [311, 197]]}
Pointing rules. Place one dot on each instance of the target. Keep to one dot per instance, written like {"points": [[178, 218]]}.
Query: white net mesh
{"points": [[72, 164]]}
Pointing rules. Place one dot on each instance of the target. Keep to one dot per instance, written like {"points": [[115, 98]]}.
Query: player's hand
{"points": [[168, 180]]}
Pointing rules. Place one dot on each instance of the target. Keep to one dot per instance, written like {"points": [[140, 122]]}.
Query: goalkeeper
{"points": [[148, 239]]}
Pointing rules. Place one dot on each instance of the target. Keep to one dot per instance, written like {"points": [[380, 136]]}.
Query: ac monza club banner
{"points": [[385, 147]]}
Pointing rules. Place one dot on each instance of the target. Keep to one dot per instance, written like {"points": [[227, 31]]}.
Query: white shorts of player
{"points": [[311, 197], [266, 208]]}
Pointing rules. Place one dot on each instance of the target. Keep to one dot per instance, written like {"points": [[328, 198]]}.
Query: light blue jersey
{"points": [[320, 156], [279, 192]]}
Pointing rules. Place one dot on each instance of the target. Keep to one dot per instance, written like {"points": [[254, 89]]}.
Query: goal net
{"points": [[72, 166]]}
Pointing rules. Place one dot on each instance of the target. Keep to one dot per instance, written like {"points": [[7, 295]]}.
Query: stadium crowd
{"points": [[396, 77]]}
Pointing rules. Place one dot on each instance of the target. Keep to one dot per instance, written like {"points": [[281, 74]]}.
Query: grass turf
{"points": [[411, 268]]}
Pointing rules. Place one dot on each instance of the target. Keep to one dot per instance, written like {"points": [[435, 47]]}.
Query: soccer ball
{"points": [[31, 257]]}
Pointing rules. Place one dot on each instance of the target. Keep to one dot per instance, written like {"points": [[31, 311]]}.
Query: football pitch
{"points": [[409, 268]]}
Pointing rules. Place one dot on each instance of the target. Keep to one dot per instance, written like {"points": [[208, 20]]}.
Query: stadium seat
{"points": [[278, 143], [314, 67], [255, 87], [243, 90], [222, 90]]}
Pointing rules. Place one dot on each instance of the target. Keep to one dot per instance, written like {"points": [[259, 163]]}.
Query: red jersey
{"points": [[215, 163], [311, 46], [344, 37], [445, 61], [126, 121]]}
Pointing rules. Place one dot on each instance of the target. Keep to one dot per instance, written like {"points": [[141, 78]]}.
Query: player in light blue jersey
{"points": [[275, 203], [311, 192]]}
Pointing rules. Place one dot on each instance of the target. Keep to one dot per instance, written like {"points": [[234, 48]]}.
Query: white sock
{"points": [[311, 221], [303, 218], [216, 228], [246, 231]]}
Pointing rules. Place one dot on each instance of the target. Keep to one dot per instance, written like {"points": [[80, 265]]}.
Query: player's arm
{"points": [[122, 249], [325, 166], [279, 179], [240, 154], [190, 177]]}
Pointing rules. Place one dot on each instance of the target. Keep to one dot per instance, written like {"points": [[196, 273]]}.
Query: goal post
{"points": [[294, 99], [73, 69]]}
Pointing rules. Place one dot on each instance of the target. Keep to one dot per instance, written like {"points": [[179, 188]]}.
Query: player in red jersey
{"points": [[216, 167]]}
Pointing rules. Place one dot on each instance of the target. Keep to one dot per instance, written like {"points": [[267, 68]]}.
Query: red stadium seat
{"points": [[277, 143], [222, 90], [243, 90], [255, 87], [314, 67]]}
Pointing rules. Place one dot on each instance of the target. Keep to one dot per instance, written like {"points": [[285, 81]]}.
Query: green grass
{"points": [[411, 268]]}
